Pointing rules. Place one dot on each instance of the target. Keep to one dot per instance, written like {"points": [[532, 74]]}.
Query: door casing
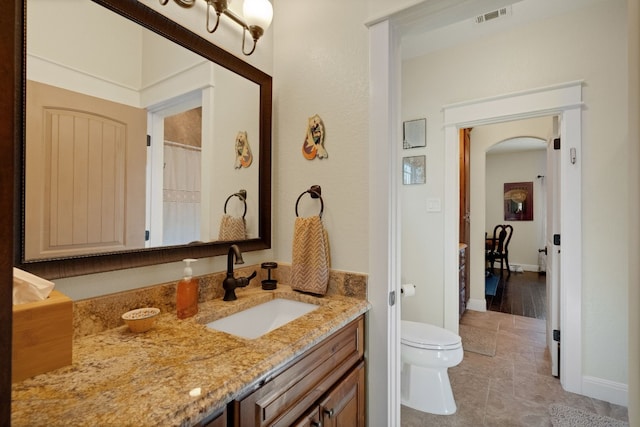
{"points": [[564, 100]]}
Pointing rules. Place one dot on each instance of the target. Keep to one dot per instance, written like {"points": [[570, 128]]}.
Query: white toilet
{"points": [[427, 352]]}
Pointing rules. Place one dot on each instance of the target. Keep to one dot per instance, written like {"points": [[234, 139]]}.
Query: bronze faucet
{"points": [[230, 283]]}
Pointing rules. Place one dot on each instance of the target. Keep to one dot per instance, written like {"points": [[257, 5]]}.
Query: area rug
{"points": [[479, 340], [491, 284], [566, 416]]}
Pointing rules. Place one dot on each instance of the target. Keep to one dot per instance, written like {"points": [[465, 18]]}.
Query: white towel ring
{"points": [[316, 193]]}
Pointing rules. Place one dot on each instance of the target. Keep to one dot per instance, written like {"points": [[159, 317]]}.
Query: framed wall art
{"points": [[414, 133], [414, 170], [518, 201]]}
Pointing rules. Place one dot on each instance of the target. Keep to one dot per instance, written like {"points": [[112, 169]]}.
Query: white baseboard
{"points": [[609, 391], [477, 304], [515, 266], [526, 267]]}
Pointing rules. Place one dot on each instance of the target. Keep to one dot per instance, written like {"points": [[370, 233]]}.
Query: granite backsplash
{"points": [[98, 314]]}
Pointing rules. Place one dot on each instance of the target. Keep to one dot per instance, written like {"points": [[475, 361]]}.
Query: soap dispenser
{"points": [[187, 292]]}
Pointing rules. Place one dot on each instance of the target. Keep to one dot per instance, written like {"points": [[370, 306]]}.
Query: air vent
{"points": [[494, 14]]}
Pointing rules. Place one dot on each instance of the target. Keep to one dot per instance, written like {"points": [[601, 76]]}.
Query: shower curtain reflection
{"points": [[181, 194]]}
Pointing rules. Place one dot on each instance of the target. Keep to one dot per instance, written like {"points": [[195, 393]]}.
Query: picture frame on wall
{"points": [[414, 133], [518, 201], [414, 170]]}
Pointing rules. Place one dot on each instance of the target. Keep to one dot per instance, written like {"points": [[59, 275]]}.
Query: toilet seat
{"points": [[429, 337]]}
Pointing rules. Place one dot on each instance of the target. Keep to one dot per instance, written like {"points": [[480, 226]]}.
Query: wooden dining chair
{"points": [[501, 236]]}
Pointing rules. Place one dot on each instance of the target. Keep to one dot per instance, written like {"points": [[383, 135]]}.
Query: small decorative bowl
{"points": [[141, 319]]}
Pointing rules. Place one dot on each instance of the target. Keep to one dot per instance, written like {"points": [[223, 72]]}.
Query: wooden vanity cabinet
{"points": [[325, 386]]}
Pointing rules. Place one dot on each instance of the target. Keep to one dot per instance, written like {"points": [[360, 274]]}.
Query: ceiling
{"points": [[426, 34], [518, 144], [416, 43]]}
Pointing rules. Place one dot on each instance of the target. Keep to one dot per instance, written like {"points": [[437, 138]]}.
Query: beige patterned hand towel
{"points": [[311, 260], [232, 228]]}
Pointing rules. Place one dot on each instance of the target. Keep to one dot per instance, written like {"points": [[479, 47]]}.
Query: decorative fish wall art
{"points": [[243, 151], [314, 141]]}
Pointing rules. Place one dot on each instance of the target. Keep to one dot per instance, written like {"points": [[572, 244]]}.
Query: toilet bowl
{"points": [[426, 352]]}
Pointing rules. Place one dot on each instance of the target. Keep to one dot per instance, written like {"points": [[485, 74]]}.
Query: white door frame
{"points": [[383, 320], [383, 341], [564, 100], [155, 160]]}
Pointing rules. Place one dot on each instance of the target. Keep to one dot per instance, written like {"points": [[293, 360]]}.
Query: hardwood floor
{"points": [[522, 294]]}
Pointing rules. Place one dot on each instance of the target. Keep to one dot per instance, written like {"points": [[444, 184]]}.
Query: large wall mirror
{"points": [[143, 142]]}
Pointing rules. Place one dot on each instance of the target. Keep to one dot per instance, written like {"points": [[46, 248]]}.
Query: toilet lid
{"points": [[423, 335]]}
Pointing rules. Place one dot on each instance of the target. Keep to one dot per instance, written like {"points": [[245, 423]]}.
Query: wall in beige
{"points": [[590, 44]]}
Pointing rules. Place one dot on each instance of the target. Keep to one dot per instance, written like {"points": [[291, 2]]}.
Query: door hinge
{"points": [[556, 144], [556, 239], [392, 298], [556, 335], [148, 140], [146, 235]]}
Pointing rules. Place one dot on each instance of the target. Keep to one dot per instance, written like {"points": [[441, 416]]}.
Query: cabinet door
{"points": [[310, 419], [219, 421], [85, 159], [344, 405]]}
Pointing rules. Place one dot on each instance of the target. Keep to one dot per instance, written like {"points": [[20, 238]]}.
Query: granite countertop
{"points": [[152, 378]]}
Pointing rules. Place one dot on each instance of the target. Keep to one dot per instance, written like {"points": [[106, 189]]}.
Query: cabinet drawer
{"points": [[290, 393]]}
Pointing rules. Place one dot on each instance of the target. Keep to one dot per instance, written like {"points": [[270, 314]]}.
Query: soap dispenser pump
{"points": [[187, 292]]}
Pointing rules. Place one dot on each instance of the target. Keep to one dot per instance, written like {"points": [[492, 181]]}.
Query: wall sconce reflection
{"points": [[257, 17]]}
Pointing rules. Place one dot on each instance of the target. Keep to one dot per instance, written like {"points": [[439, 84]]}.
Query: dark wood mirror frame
{"points": [[80, 265], [11, 42]]}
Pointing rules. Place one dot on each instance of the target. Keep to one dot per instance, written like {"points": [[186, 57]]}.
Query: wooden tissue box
{"points": [[42, 336]]}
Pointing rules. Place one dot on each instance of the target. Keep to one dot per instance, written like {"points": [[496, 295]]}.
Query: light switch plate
{"points": [[433, 205]]}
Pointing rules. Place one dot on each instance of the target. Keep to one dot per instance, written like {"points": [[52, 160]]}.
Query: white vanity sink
{"points": [[260, 319]]}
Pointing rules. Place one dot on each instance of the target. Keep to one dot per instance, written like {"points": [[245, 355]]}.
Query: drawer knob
{"points": [[316, 423], [328, 412]]}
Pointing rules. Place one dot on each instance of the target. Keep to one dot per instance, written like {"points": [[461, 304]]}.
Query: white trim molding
{"points": [[52, 73], [477, 304], [544, 101], [609, 391]]}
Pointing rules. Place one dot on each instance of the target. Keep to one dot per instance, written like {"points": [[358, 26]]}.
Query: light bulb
{"points": [[258, 13]]}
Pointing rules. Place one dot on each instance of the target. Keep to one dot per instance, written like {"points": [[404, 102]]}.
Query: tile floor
{"points": [[514, 388]]}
